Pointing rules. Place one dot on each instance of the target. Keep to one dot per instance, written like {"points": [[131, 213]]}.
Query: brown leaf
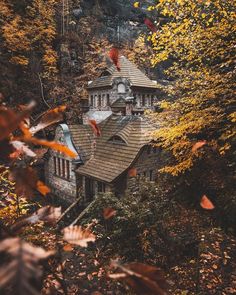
{"points": [[26, 181], [108, 213], [78, 236], [48, 118], [47, 214], [23, 270], [10, 120], [144, 279]]}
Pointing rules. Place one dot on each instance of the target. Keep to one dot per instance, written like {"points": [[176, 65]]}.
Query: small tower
{"points": [[127, 92]]}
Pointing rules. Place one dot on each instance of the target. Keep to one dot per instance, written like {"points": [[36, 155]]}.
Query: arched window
{"points": [[108, 99], [121, 88], [117, 139], [91, 100], [99, 100]]}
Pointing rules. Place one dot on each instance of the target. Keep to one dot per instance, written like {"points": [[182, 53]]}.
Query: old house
{"points": [[122, 155]]}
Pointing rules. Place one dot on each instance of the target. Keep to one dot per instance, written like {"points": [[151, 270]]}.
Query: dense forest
{"points": [[174, 235]]}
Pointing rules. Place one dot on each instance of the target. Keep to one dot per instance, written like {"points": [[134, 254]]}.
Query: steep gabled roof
{"points": [[112, 158], [128, 70], [82, 137]]}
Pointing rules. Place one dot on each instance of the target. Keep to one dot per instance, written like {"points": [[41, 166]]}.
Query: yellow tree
{"points": [[27, 29], [199, 38]]}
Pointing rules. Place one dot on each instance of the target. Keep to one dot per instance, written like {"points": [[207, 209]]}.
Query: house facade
{"points": [[123, 154]]}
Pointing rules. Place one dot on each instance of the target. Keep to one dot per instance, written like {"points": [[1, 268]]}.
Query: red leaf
{"points": [[150, 25], [108, 213], [206, 203], [95, 127], [114, 56]]}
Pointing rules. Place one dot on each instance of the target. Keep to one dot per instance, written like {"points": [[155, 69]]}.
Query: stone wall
{"points": [[149, 160], [61, 187]]}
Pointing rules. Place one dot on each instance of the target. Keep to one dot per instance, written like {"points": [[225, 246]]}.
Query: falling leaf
{"points": [[132, 172], [114, 56], [26, 182], [53, 145], [10, 120], [23, 269], [150, 25], [42, 188], [95, 127], [144, 279], [78, 236], [21, 148], [108, 213], [206, 203], [46, 214], [198, 145], [49, 118]]}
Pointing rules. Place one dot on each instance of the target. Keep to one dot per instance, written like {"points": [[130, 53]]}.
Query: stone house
{"points": [[122, 155], [128, 91]]}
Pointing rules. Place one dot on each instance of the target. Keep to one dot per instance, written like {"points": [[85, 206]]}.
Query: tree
{"points": [[199, 38]]}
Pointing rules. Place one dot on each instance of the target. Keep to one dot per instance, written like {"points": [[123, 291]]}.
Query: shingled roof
{"points": [[129, 71], [113, 157], [82, 137]]}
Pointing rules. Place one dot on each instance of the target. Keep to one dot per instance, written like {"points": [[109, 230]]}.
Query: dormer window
{"points": [[117, 139], [121, 88]]}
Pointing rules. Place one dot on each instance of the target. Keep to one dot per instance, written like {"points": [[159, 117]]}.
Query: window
{"points": [[99, 100], [63, 172], [151, 175], [108, 99], [91, 100], [143, 100], [61, 167], [117, 139], [67, 169], [144, 174], [101, 187], [121, 88], [55, 165], [152, 100]]}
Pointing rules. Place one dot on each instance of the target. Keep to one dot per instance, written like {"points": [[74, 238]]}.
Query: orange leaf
{"points": [[206, 203], [68, 248], [53, 145], [108, 213], [198, 145], [132, 172], [42, 188]]}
